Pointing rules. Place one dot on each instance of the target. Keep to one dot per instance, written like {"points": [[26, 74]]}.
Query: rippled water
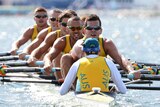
{"points": [[137, 38]]}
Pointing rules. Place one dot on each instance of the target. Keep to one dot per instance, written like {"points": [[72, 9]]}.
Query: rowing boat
{"points": [[97, 98]]}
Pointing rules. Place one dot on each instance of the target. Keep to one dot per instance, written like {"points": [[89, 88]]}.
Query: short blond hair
{"points": [[40, 9]]}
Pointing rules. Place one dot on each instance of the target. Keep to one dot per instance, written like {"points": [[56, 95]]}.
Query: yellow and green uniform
{"points": [[68, 45], [58, 33], [49, 29], [93, 72], [35, 32]]}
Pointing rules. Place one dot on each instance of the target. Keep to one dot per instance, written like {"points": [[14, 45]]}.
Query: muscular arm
{"points": [[45, 45], [112, 51], [76, 51], [70, 78], [40, 37], [56, 49], [23, 39]]}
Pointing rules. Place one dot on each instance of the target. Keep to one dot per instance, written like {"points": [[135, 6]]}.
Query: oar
{"points": [[21, 63], [9, 53], [143, 87], [26, 69], [147, 64], [28, 75], [143, 77], [15, 64], [7, 58], [5, 53], [15, 57], [151, 71], [57, 82]]}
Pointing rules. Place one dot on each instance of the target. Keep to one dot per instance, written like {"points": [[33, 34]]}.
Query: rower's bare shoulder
{"points": [[108, 41], [51, 36], [28, 32], [42, 34]]}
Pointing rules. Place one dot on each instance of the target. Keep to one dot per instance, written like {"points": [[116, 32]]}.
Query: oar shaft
{"points": [[8, 53], [27, 69], [21, 63], [148, 64], [5, 53], [15, 64], [143, 87], [7, 58], [143, 77], [57, 82]]}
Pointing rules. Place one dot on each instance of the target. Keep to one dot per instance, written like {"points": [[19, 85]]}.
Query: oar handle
{"points": [[54, 69], [27, 57], [39, 63]]}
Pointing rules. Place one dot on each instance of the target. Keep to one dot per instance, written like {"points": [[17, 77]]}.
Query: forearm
{"points": [[126, 64], [47, 60]]}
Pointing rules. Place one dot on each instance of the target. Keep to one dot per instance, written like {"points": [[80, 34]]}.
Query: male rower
{"points": [[64, 44], [92, 71], [53, 20], [49, 40], [93, 29], [40, 17]]}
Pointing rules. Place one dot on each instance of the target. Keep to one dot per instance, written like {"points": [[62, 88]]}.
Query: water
{"points": [[136, 37]]}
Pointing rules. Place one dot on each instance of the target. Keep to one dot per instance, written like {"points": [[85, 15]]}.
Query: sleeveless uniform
{"points": [[49, 29], [35, 32], [93, 72], [58, 33], [68, 45]]}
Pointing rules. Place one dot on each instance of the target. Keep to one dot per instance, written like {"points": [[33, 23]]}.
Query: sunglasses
{"points": [[93, 27], [64, 24], [75, 28], [41, 16], [53, 19]]}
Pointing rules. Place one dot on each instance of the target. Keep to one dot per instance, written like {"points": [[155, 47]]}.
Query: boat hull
{"points": [[100, 98]]}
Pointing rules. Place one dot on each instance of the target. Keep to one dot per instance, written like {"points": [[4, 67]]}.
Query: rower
{"points": [[92, 67], [53, 20], [64, 44], [93, 29], [40, 17]]}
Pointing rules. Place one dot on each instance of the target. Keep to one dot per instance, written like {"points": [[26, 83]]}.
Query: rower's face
{"points": [[75, 29], [41, 18], [93, 29], [53, 20], [63, 26]]}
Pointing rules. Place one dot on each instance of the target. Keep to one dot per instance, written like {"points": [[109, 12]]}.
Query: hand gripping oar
{"points": [[8, 53]]}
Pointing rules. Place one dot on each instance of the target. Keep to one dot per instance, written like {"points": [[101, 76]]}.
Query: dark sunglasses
{"points": [[53, 19], [41, 16], [75, 28], [93, 27], [64, 24]]}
